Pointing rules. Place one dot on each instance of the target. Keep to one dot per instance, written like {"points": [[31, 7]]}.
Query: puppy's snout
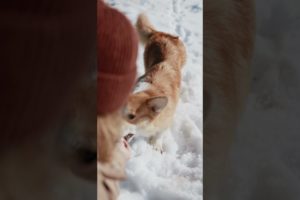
{"points": [[87, 156], [79, 155], [131, 116], [84, 164]]}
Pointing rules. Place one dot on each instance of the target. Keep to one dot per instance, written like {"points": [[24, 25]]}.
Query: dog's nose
{"points": [[87, 156], [77, 146], [79, 157], [131, 116], [83, 163]]}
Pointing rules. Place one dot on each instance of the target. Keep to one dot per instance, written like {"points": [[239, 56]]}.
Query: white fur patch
{"points": [[146, 129], [141, 86]]}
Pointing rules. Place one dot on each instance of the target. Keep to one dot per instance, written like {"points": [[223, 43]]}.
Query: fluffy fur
{"points": [[152, 104]]}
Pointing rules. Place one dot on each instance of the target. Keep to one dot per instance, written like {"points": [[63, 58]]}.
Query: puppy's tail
{"points": [[144, 27]]}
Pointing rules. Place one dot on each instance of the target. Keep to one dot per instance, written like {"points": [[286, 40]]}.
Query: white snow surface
{"points": [[266, 151], [177, 173]]}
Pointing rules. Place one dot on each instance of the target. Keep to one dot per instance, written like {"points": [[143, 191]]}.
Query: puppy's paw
{"points": [[158, 148], [156, 144]]}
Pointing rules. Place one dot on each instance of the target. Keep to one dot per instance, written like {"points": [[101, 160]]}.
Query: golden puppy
{"points": [[152, 104]]}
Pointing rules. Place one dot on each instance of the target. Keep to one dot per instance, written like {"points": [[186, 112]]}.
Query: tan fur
{"points": [[228, 43], [50, 165], [79, 143], [164, 57]]}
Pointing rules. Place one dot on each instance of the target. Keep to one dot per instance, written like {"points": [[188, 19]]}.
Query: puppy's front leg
{"points": [[157, 142]]}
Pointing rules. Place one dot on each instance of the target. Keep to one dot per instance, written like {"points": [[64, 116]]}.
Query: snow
{"points": [[177, 173], [265, 154]]}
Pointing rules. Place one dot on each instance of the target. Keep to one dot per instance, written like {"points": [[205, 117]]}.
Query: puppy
{"points": [[228, 45], [77, 138], [60, 162], [152, 104]]}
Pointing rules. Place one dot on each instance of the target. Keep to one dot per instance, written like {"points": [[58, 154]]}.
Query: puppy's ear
{"points": [[157, 104]]}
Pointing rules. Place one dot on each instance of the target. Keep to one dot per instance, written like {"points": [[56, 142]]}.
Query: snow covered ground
{"points": [[266, 152], [176, 174]]}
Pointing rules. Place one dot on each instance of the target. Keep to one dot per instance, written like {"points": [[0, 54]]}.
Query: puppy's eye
{"points": [[131, 116]]}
